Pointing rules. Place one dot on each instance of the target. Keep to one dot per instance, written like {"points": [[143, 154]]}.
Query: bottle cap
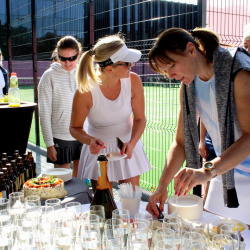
{"points": [[13, 74], [102, 158]]}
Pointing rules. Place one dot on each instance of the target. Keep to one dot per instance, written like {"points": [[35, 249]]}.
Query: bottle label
{"points": [[3, 194]]}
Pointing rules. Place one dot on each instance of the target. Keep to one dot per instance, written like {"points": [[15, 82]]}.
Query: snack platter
{"points": [[45, 187]]}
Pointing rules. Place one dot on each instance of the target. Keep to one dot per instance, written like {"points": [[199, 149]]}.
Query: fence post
{"points": [[34, 57], [9, 36], [202, 13], [91, 24]]}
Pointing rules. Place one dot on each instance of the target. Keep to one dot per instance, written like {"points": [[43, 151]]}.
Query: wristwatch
{"points": [[209, 167]]}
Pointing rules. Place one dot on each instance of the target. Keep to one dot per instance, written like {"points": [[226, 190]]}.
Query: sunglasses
{"points": [[53, 59], [127, 63], [70, 59]]}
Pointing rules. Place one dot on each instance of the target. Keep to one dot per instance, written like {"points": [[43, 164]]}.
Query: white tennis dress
{"points": [[107, 120]]}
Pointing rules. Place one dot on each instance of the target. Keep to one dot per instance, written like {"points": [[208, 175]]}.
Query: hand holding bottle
{"points": [[95, 146]]}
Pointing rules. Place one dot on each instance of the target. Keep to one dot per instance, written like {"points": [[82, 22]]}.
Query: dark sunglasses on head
{"points": [[126, 63], [70, 59]]}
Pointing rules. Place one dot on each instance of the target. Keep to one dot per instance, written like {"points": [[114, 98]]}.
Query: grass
{"points": [[161, 108]]}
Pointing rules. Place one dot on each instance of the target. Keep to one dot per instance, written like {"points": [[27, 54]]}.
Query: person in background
{"points": [[54, 56], [3, 78], [108, 97], [246, 37], [56, 90], [220, 95]]}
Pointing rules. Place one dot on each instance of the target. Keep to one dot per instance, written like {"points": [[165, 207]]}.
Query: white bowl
{"points": [[189, 207], [62, 173]]}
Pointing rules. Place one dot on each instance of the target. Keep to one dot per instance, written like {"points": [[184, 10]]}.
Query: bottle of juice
{"points": [[14, 91]]}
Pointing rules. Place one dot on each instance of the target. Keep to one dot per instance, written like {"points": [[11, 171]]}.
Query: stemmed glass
{"points": [[165, 234], [4, 203], [56, 204], [16, 209], [222, 241], [99, 210], [76, 207], [148, 218], [7, 237], [33, 200]]}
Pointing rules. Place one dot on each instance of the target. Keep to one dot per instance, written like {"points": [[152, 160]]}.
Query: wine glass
{"points": [[99, 210], [16, 209], [222, 241], [4, 203], [56, 204], [138, 240], [191, 238], [164, 234], [148, 218], [165, 244], [33, 200], [7, 237], [76, 207], [4, 217], [112, 238], [233, 231]]}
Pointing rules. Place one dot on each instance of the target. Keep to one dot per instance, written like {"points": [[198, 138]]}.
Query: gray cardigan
{"points": [[222, 61]]}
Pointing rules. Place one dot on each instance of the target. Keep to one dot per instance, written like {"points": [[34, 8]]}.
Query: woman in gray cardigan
{"points": [[215, 88]]}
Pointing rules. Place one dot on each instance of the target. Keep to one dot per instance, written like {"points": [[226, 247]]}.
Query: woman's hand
{"points": [[52, 153], [127, 149], [187, 178], [95, 146], [160, 195], [203, 150]]}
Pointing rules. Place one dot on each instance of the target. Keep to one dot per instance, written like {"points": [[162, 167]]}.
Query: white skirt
{"points": [[215, 203], [117, 170]]}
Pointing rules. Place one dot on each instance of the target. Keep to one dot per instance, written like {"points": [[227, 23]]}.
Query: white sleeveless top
{"points": [[108, 119], [206, 109]]}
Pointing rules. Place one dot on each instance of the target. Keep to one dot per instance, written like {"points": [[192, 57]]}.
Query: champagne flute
{"points": [[99, 210], [16, 209], [165, 234], [76, 207], [56, 204], [7, 236], [233, 231], [148, 218], [4, 203], [191, 238], [33, 200], [4, 217], [165, 244], [222, 241]]}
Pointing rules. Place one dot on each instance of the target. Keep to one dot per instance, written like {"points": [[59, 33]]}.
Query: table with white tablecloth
{"points": [[206, 217]]}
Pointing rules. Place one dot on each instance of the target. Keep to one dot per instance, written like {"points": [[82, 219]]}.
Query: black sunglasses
{"points": [[70, 59], [53, 58]]}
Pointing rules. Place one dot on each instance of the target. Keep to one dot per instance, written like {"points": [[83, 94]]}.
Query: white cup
{"points": [[132, 205]]}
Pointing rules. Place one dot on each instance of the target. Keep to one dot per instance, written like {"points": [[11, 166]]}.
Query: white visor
{"points": [[126, 55]]}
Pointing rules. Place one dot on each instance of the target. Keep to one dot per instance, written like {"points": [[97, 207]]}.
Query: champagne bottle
{"points": [[102, 194]]}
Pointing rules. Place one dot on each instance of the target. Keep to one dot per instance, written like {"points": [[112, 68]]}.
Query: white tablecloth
{"points": [[206, 217]]}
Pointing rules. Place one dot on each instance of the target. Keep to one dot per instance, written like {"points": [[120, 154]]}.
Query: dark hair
{"points": [[69, 42], [176, 39]]}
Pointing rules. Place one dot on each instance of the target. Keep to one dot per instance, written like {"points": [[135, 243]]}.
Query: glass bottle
{"points": [[26, 164], [12, 178], [4, 189], [4, 155], [102, 194], [5, 171], [32, 163], [21, 170], [14, 91], [17, 175]]}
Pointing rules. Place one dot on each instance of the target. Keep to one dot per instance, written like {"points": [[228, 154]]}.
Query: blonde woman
{"points": [[108, 96]]}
